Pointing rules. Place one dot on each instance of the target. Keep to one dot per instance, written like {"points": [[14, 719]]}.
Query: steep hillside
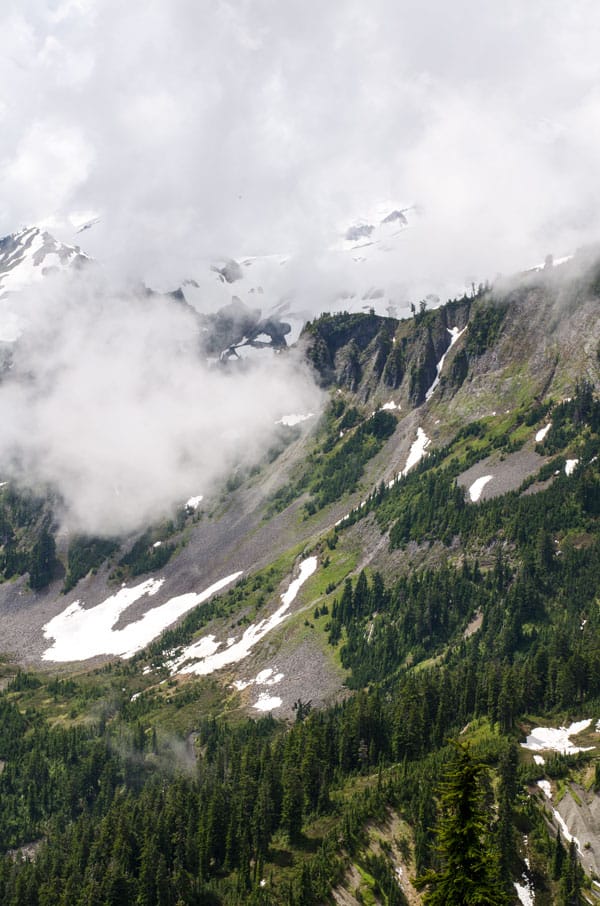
{"points": [[417, 564]]}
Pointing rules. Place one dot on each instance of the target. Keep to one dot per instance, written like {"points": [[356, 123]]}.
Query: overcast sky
{"points": [[204, 128]]}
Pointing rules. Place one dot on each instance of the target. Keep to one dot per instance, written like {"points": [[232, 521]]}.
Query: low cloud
{"points": [[110, 403], [239, 128]]}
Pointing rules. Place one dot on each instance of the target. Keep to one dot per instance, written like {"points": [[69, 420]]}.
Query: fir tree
{"points": [[469, 872]]}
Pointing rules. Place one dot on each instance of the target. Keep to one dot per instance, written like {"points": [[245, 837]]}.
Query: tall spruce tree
{"points": [[469, 872]]}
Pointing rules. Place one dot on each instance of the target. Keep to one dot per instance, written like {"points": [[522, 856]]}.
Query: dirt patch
{"points": [[507, 474], [308, 676], [473, 626], [28, 851], [580, 810]]}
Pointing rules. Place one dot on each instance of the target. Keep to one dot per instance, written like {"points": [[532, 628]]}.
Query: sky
{"points": [[199, 129]]}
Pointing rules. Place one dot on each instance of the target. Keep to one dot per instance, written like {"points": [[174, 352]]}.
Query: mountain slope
{"points": [[421, 564]]}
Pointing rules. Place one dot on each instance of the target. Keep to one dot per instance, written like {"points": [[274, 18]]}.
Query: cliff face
{"points": [[533, 336], [372, 355]]}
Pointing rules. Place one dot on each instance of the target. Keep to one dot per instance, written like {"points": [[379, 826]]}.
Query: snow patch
{"points": [[192, 503], [557, 740], [290, 420], [267, 702], [417, 451], [478, 486], [391, 405], [205, 656], [525, 891], [80, 633], [265, 678], [539, 760], [570, 466], [545, 787], [565, 830], [542, 433]]}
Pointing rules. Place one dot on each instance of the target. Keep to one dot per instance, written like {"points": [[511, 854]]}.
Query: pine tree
{"points": [[572, 876], [468, 873]]}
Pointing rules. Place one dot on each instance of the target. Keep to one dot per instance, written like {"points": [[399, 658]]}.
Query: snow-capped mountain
{"points": [[360, 271], [29, 255], [356, 273], [26, 258]]}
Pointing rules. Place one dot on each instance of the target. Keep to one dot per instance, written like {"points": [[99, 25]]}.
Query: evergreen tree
{"points": [[572, 876], [468, 873]]}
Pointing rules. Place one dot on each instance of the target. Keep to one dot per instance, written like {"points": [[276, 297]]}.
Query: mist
{"points": [[198, 131], [109, 403]]}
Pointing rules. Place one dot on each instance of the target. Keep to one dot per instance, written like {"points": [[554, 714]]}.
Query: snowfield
{"points": [[207, 654], [80, 633], [557, 740]]}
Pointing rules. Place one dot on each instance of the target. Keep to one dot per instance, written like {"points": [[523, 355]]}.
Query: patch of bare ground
{"points": [[390, 838], [474, 625], [507, 472], [538, 486], [308, 676], [28, 851], [580, 810], [377, 555]]}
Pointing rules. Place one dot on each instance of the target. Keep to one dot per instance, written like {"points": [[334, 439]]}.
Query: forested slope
{"points": [[448, 618]]}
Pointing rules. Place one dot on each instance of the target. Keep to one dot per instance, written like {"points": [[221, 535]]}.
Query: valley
{"points": [[278, 670]]}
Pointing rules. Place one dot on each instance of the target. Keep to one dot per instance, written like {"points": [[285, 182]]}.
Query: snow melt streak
{"points": [[417, 451], [205, 652], [80, 634], [455, 333], [542, 433]]}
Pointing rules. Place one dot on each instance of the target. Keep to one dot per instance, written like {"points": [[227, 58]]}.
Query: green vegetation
{"points": [[343, 447], [85, 555], [169, 797], [485, 326], [26, 540], [469, 870]]}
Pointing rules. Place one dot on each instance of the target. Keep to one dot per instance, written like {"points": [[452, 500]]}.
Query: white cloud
{"points": [[110, 402], [248, 127]]}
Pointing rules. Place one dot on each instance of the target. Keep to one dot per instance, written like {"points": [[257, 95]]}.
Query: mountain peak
{"points": [[30, 254]]}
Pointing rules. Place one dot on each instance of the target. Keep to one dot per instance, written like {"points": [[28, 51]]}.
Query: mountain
{"points": [[252, 701], [356, 272], [26, 258]]}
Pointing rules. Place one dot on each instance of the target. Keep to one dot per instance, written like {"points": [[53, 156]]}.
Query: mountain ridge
{"points": [[419, 562]]}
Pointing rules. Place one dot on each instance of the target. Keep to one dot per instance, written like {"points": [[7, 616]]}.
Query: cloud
{"points": [[110, 403], [246, 127]]}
